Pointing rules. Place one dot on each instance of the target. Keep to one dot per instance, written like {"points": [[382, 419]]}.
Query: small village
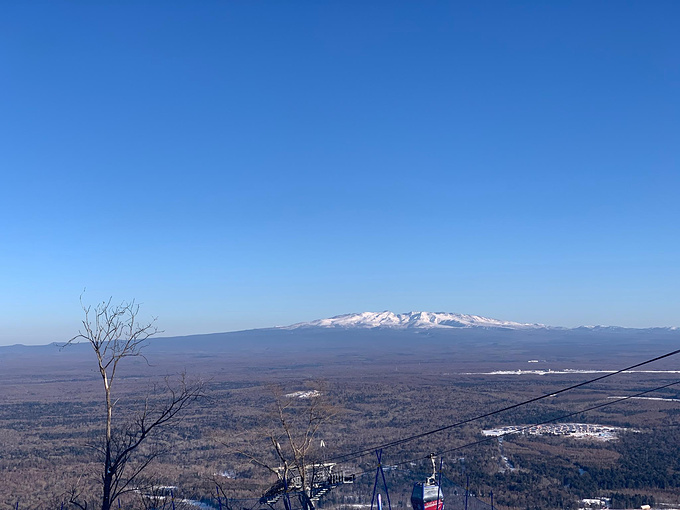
{"points": [[575, 430]]}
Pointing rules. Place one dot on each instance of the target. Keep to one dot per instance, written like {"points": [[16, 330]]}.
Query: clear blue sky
{"points": [[233, 165]]}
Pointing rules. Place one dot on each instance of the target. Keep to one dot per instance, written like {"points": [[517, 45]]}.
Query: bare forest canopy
{"points": [[385, 385]]}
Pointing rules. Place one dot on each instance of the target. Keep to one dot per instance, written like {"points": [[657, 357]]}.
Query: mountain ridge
{"points": [[440, 323], [413, 320]]}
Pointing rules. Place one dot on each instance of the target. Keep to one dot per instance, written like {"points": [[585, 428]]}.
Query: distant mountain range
{"points": [[404, 332], [410, 320], [466, 343], [440, 320]]}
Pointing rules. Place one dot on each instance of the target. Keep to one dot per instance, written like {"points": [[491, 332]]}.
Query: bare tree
{"points": [[294, 439], [115, 333]]}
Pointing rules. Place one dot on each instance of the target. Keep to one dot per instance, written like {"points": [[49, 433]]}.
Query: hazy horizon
{"points": [[165, 334]]}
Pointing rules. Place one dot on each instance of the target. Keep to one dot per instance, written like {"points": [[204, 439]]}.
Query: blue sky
{"points": [[233, 165]]}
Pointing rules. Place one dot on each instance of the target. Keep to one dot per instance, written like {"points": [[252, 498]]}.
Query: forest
{"points": [[52, 412]]}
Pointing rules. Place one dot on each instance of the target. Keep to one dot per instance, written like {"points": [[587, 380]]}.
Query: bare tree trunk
{"points": [[114, 334], [108, 480], [107, 476]]}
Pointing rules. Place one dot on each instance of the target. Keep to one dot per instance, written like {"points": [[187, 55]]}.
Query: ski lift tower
{"points": [[319, 478]]}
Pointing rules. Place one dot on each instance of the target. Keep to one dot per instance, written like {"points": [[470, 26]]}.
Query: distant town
{"points": [[575, 430]]}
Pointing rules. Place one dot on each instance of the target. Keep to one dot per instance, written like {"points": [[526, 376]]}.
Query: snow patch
{"points": [[304, 394]]}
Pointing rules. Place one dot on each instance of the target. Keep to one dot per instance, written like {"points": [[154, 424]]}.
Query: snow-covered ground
{"points": [[574, 430], [568, 371], [304, 394]]}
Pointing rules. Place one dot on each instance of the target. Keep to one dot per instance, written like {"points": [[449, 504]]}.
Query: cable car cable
{"points": [[592, 408], [362, 452], [568, 415]]}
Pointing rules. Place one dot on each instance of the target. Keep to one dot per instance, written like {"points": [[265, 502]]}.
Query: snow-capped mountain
{"points": [[387, 319]]}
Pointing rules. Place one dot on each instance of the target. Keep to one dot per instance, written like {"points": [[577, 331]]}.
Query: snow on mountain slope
{"points": [[386, 319]]}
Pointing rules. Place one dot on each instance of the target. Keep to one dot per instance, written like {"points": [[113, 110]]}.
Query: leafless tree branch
{"points": [[115, 332]]}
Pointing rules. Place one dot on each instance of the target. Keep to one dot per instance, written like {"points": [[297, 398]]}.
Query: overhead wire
{"points": [[562, 417], [360, 453], [527, 427]]}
